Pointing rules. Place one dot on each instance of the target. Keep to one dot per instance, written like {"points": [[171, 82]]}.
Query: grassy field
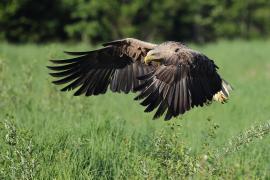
{"points": [[47, 134]]}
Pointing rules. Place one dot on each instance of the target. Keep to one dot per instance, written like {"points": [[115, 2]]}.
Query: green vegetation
{"points": [[99, 21], [46, 134]]}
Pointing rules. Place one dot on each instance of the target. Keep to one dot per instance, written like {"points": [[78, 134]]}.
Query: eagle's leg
{"points": [[220, 97], [223, 95]]}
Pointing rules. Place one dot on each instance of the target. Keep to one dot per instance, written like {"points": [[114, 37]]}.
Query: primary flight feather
{"points": [[169, 77]]}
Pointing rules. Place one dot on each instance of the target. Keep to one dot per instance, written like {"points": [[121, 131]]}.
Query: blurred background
{"points": [[97, 21]]}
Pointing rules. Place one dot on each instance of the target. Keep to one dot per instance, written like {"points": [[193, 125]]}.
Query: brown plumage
{"points": [[169, 77]]}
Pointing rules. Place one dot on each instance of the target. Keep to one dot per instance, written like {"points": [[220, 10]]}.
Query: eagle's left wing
{"points": [[117, 65]]}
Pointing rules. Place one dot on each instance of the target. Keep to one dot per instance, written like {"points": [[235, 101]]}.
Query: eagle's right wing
{"points": [[179, 87]]}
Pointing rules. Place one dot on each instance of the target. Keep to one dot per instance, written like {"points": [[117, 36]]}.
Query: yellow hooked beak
{"points": [[148, 59]]}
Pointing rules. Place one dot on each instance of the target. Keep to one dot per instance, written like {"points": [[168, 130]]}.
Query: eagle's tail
{"points": [[223, 95]]}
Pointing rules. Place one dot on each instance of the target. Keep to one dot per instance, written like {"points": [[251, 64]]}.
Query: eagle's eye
{"points": [[176, 50]]}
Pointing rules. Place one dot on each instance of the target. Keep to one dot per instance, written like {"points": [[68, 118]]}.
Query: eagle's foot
{"points": [[220, 97]]}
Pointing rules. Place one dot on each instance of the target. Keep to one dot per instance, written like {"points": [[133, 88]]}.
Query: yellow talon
{"points": [[220, 97]]}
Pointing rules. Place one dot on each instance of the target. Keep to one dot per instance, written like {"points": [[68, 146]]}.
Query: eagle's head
{"points": [[167, 50]]}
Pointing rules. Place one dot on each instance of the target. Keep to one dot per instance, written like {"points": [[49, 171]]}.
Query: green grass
{"points": [[65, 137]]}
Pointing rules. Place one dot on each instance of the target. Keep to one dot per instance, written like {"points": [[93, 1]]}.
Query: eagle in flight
{"points": [[169, 77]]}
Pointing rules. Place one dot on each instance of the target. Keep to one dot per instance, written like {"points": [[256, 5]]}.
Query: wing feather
{"points": [[179, 87], [117, 64]]}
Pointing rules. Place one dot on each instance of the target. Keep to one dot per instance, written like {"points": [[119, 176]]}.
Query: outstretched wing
{"points": [[117, 64], [179, 87]]}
